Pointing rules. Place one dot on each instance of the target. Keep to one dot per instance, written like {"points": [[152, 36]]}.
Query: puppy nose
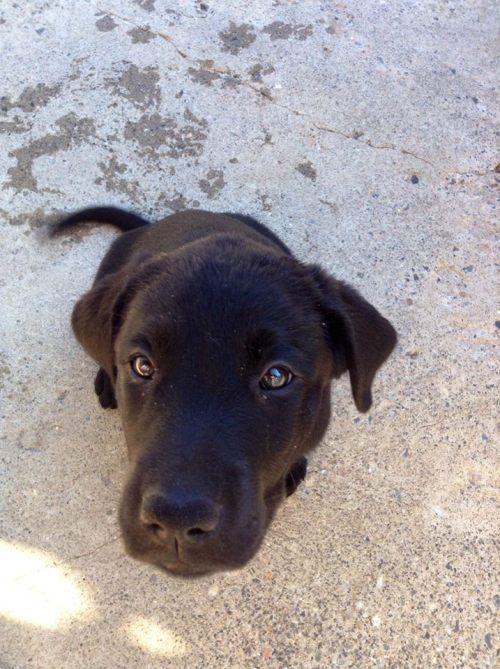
{"points": [[181, 514]]}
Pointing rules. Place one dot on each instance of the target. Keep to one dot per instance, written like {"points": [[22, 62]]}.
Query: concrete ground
{"points": [[364, 133]]}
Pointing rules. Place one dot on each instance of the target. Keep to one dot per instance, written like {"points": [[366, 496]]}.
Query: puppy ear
{"points": [[360, 338], [97, 317]]}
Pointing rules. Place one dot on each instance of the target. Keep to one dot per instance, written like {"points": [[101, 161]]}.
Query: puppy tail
{"points": [[124, 220]]}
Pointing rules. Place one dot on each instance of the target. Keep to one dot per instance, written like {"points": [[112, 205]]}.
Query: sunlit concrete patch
{"points": [[153, 638], [38, 590]]}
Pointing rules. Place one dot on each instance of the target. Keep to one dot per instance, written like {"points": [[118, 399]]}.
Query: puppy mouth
{"points": [[180, 564], [170, 560], [179, 568], [179, 560]]}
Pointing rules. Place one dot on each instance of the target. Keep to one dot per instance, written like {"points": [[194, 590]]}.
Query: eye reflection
{"points": [[142, 366], [276, 377]]}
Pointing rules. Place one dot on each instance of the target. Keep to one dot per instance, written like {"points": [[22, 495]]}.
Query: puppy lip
{"points": [[179, 568]]}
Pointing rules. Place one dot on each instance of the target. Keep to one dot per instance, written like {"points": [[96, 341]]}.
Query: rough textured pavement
{"points": [[363, 133]]}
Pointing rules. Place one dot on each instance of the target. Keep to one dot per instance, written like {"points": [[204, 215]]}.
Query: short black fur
{"points": [[208, 304]]}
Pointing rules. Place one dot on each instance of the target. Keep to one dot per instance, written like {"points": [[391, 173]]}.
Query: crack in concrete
{"points": [[64, 561], [471, 173], [266, 93], [352, 136], [91, 552]]}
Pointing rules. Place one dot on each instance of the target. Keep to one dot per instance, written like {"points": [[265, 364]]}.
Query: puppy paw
{"points": [[295, 476], [104, 390]]}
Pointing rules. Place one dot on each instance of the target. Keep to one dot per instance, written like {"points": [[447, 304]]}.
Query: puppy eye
{"points": [[142, 367], [276, 377]]}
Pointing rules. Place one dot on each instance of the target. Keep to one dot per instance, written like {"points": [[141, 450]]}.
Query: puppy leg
{"points": [[104, 390], [295, 476]]}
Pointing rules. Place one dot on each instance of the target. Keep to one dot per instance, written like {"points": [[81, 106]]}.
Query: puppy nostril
{"points": [[158, 531], [178, 515], [154, 527]]}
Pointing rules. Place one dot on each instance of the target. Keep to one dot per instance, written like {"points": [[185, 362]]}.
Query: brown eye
{"points": [[142, 367], [276, 377]]}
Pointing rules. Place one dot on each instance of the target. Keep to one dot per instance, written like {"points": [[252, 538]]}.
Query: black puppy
{"points": [[219, 348]]}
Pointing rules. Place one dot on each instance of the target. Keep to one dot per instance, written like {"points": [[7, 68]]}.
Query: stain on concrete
{"points": [[258, 71], [265, 202], [202, 6], [230, 81], [34, 219], [31, 98], [204, 76], [163, 135], [237, 37], [334, 207], [268, 137], [105, 24], [137, 85], [179, 202], [148, 5], [280, 30], [189, 116], [307, 170], [5, 371], [213, 183], [13, 127], [207, 74], [113, 182], [141, 35], [150, 131], [73, 131]]}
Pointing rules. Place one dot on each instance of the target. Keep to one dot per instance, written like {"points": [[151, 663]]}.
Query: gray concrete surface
{"points": [[365, 134]]}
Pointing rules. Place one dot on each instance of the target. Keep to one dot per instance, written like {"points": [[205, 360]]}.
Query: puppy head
{"points": [[222, 360]]}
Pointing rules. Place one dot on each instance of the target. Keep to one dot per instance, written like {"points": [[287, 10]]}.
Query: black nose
{"points": [[179, 514]]}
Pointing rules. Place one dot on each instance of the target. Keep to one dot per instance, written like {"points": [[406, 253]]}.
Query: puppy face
{"points": [[223, 375], [221, 357]]}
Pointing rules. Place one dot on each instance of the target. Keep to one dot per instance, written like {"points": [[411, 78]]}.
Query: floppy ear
{"points": [[97, 317], [360, 338], [99, 314]]}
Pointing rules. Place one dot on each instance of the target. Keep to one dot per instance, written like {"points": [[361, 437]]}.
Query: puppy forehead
{"points": [[251, 303], [222, 318]]}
